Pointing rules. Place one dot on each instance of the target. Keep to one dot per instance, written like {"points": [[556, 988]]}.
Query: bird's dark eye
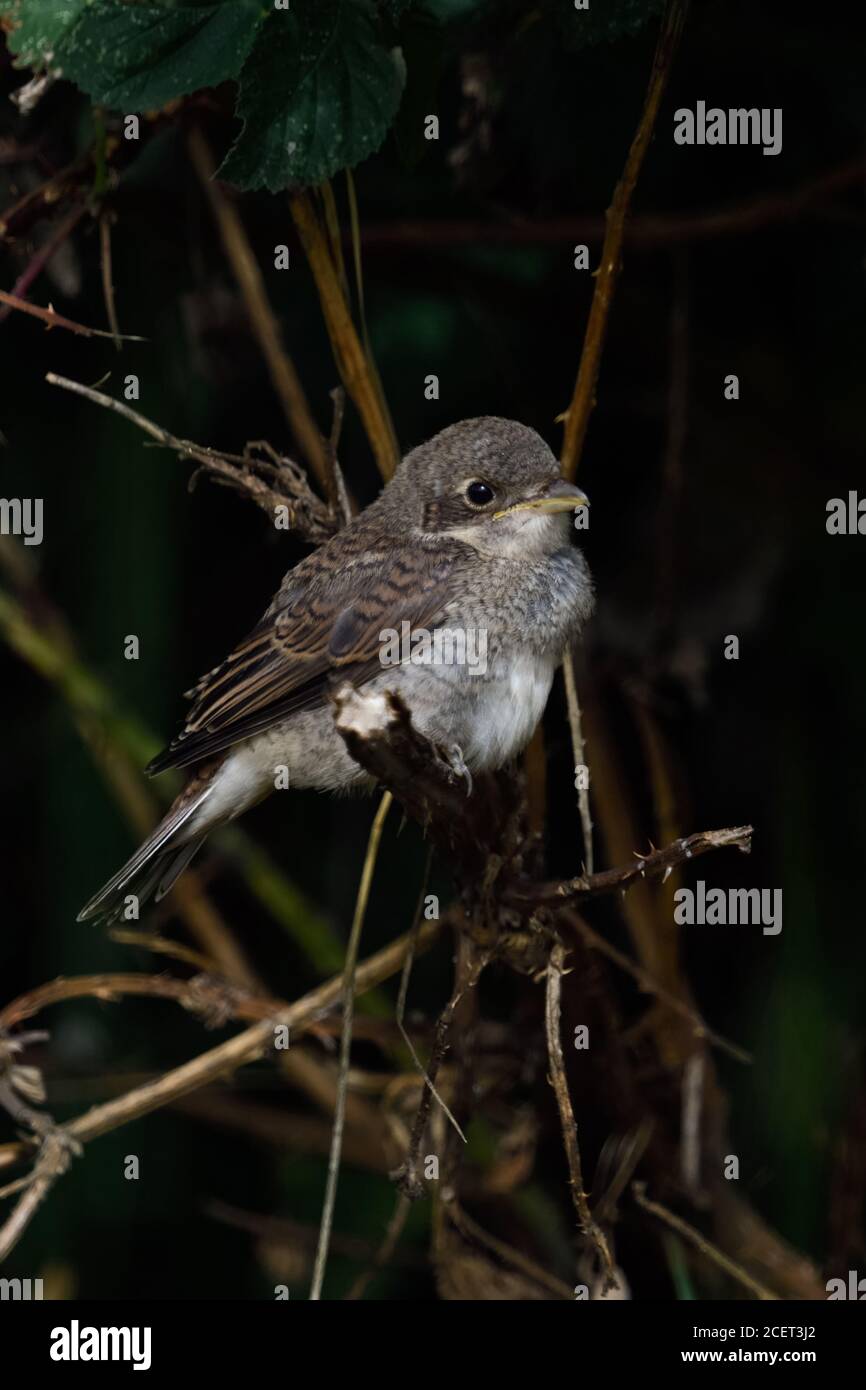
{"points": [[479, 494]]}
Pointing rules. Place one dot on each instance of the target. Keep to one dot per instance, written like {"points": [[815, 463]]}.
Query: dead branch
{"points": [[202, 994], [40, 201], [386, 1251], [55, 320], [264, 323], [253, 1043], [346, 1043], [583, 399], [578, 748], [355, 369], [107, 276], [588, 1227], [659, 862], [38, 262], [652, 986], [465, 820], [701, 1244], [406, 1176], [646, 232], [271, 482], [54, 1158]]}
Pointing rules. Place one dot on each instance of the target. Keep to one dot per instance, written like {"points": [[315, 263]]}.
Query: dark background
{"points": [[723, 533]]}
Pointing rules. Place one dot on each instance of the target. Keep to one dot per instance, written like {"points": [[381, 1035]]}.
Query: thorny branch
{"points": [[271, 481], [55, 320], [658, 863], [588, 1227]]}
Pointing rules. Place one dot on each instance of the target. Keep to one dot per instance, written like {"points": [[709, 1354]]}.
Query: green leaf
{"points": [[604, 22], [318, 93], [38, 28], [138, 56], [134, 57]]}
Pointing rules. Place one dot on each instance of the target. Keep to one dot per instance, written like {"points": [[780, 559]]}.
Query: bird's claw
{"points": [[458, 766]]}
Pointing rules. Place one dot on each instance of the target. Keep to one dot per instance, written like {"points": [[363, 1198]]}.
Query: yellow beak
{"points": [[560, 497]]}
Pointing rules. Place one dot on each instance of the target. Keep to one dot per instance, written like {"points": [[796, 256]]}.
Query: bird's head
{"points": [[490, 482]]}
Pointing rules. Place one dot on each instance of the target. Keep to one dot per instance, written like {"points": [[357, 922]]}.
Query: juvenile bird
{"points": [[469, 540]]}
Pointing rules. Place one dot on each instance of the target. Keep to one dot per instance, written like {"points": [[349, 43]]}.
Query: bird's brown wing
{"points": [[327, 627]]}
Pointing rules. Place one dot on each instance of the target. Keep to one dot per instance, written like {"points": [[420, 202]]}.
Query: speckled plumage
{"points": [[420, 555]]}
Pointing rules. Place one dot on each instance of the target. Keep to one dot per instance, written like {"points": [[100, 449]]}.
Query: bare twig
{"points": [[700, 1243], [199, 995], [38, 263], [692, 1110], [583, 399], [643, 232], [209, 1066], [402, 996], [652, 986], [54, 320], [338, 396], [352, 362], [587, 1226], [160, 945], [579, 751], [346, 1044], [39, 201], [278, 1230], [272, 482], [107, 278], [54, 1157], [285, 378], [536, 1273], [406, 1176], [657, 862], [746, 1236], [386, 1250]]}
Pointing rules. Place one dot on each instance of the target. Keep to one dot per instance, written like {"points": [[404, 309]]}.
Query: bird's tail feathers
{"points": [[154, 868]]}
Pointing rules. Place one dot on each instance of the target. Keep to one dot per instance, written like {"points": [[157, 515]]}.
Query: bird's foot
{"points": [[458, 767]]}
